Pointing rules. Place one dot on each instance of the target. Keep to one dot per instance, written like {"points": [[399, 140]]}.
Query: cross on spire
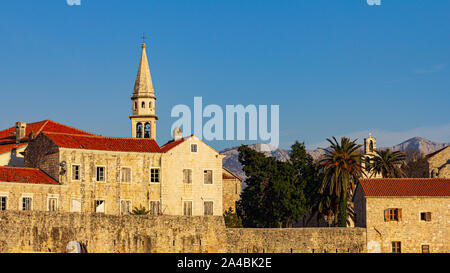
{"points": [[143, 39]]}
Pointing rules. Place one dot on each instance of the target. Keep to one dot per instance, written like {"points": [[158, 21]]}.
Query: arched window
{"points": [[371, 146], [143, 104], [150, 105], [135, 105], [147, 130], [139, 130]]}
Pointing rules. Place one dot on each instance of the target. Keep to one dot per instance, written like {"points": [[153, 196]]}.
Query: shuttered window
{"points": [[187, 176], [75, 172], [187, 208], [125, 206], [425, 248], [125, 175], [100, 206], [100, 174], [208, 176], [154, 208], [3, 204], [26, 203], [425, 216], [208, 208], [52, 204], [154, 175]]}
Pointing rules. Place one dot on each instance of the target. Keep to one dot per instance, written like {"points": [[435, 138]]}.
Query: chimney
{"points": [[21, 128], [176, 133]]}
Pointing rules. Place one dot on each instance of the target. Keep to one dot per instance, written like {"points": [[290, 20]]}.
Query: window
{"points": [[135, 105], [75, 206], [100, 174], [150, 105], [125, 206], [75, 172], [147, 130], [425, 248], [187, 208], [139, 130], [193, 148], [392, 215], [208, 208], [154, 175], [425, 216], [187, 176], [100, 206], [154, 208], [52, 204], [26, 203], [3, 204], [143, 104], [396, 247], [125, 174], [207, 177]]}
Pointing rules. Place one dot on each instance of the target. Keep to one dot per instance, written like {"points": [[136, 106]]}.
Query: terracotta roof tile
{"points": [[8, 136], [171, 144], [25, 175], [406, 186], [118, 144]]}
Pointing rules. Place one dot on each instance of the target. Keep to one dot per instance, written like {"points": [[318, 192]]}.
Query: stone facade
{"points": [[439, 163], [232, 187], [51, 231], [409, 230]]}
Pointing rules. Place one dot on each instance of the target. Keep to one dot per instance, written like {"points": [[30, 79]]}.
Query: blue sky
{"points": [[334, 67]]}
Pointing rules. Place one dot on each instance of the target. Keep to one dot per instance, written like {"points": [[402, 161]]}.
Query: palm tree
{"points": [[140, 211], [341, 167], [386, 163]]}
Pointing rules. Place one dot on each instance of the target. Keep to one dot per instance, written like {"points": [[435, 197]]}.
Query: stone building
{"points": [[231, 185], [439, 163], [49, 166], [404, 214]]}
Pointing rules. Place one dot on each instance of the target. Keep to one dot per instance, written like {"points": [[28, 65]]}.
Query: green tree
{"points": [[232, 219], [416, 164], [386, 163], [140, 211], [341, 168], [274, 193]]}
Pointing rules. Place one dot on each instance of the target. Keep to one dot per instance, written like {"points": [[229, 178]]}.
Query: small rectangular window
{"points": [[208, 208], [125, 175], [154, 208], [125, 206], [26, 203], [193, 148], [3, 202], [425, 248], [52, 204], [396, 247], [100, 206], [154, 175], [187, 176], [75, 172], [187, 208], [207, 176], [100, 174], [425, 216]]}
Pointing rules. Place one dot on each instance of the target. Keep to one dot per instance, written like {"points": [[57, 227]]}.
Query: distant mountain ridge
{"points": [[231, 160]]}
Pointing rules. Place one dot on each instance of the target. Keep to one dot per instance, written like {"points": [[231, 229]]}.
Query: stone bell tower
{"points": [[370, 146], [143, 119]]}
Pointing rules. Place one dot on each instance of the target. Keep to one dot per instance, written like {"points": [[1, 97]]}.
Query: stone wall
{"points": [[34, 231], [439, 164]]}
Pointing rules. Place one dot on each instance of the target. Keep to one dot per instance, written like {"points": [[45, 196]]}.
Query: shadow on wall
{"points": [[16, 161]]}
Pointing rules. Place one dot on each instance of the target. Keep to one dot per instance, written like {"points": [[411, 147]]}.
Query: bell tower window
{"points": [[139, 130], [147, 130], [143, 104]]}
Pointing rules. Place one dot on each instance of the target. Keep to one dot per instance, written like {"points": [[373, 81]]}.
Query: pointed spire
{"points": [[143, 85]]}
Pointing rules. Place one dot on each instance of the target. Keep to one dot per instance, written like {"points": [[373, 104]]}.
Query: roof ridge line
{"points": [[96, 136]]}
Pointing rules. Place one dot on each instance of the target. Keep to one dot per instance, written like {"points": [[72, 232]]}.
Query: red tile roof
{"points": [[171, 144], [118, 144], [8, 136], [405, 187], [25, 175]]}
